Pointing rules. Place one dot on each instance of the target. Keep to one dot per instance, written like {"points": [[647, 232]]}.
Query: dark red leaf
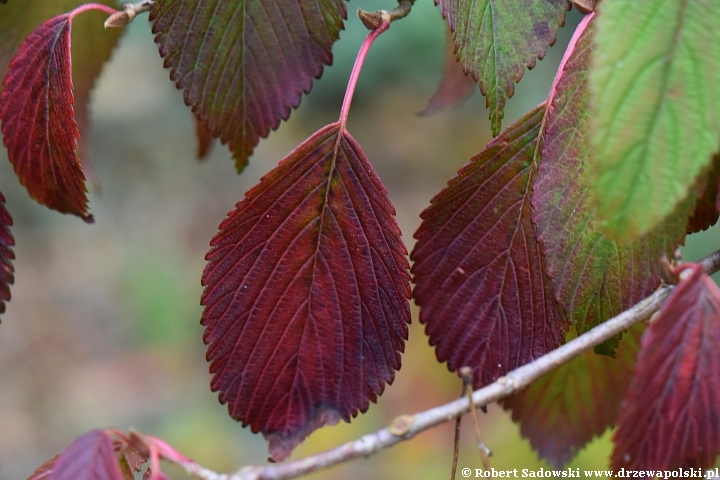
{"points": [[90, 457], [244, 65], [564, 409], [455, 85], [306, 294], [38, 123], [478, 270], [92, 46], [706, 209], [7, 255], [670, 417]]}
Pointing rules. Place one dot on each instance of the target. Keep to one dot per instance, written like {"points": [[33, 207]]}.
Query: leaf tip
{"points": [[281, 444]]}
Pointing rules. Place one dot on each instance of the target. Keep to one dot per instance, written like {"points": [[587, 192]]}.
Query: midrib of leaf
{"points": [[667, 61]]}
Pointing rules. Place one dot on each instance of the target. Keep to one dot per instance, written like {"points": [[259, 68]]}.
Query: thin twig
{"points": [[456, 446], [485, 453], [130, 11], [406, 427]]}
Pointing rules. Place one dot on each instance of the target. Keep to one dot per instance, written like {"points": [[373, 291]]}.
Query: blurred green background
{"points": [[103, 328]]}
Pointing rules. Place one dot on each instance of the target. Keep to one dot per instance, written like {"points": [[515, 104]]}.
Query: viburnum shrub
{"points": [[566, 219]]}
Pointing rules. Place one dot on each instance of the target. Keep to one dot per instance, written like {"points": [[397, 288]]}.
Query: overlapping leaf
{"points": [[478, 269], [594, 277], [306, 293], [244, 65], [706, 210], [90, 457], [455, 85], [497, 39], [6, 254], [670, 418], [564, 409], [91, 48], [656, 108]]}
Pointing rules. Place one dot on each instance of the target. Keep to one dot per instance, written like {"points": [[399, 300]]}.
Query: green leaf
{"points": [[594, 277], [496, 40], [655, 88]]}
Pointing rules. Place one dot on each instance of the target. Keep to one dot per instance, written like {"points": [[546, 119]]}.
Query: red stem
{"points": [[356, 72], [91, 6]]}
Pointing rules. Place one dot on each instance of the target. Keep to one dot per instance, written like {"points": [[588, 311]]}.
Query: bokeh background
{"points": [[103, 328]]}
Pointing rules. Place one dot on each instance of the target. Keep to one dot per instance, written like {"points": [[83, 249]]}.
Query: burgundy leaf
{"points": [[38, 123], [244, 65], [564, 409], [593, 276], [670, 417], [706, 209], [478, 270], [90, 457], [455, 85], [91, 47], [7, 241], [306, 293]]}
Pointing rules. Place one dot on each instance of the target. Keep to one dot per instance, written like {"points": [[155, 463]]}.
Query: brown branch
{"points": [[406, 427]]}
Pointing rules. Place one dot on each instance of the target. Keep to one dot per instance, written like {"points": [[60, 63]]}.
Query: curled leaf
{"points": [[306, 294], [38, 122]]}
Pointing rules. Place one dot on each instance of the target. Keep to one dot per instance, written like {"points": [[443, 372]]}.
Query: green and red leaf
{"points": [[655, 108], [566, 408], [669, 417], [479, 274], [306, 294], [243, 66], [495, 40], [593, 276]]}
